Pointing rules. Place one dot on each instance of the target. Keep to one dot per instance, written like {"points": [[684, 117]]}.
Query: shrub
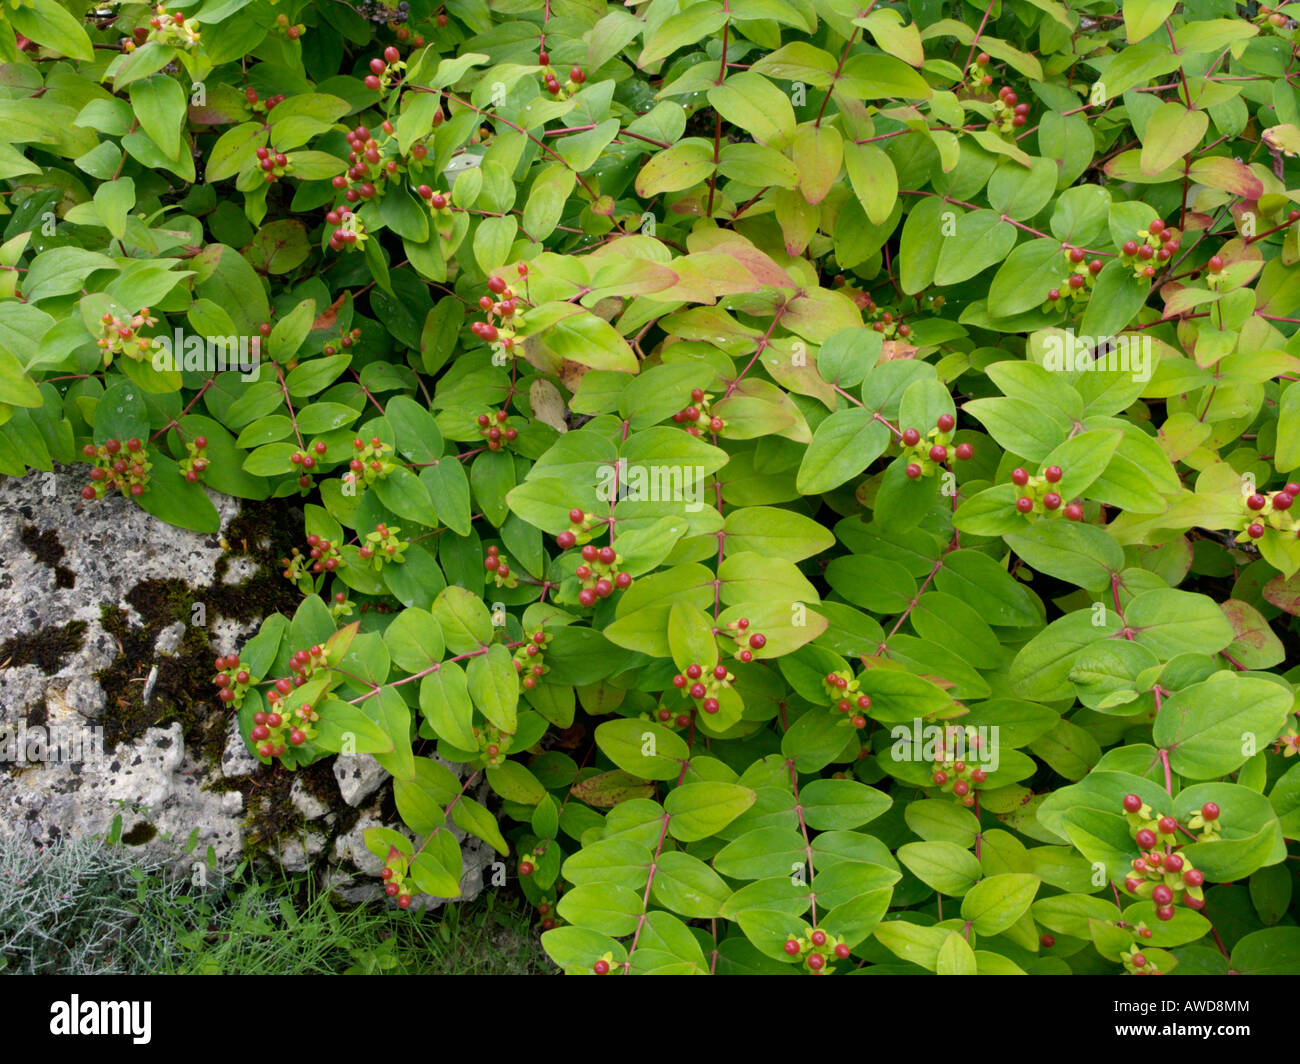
{"points": [[824, 466]]}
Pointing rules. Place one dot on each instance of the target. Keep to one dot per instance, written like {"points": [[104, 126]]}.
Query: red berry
{"points": [[1173, 863], [913, 471], [911, 437], [87, 492], [758, 641], [587, 597], [1166, 912], [1256, 502], [946, 422], [1132, 803], [1052, 501], [1215, 264], [816, 962], [1130, 248], [1282, 501], [1024, 504], [1077, 255], [698, 690], [965, 451], [1138, 960], [1046, 941], [1193, 877], [710, 705], [623, 580], [791, 947], [940, 778], [842, 951], [1146, 838], [1052, 474], [1209, 811], [565, 539], [1255, 531], [938, 453], [1074, 512], [694, 672], [1168, 825], [1020, 477], [604, 588], [1162, 895], [961, 788], [607, 555]]}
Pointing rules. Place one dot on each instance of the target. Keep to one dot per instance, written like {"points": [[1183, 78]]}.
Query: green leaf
{"points": [[493, 684], [1212, 727], [643, 748], [699, 810], [842, 447], [995, 903], [942, 866]]}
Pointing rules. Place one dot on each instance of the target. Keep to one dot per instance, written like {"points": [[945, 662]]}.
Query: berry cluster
{"points": [[552, 83], [394, 874], [927, 454], [275, 165], [283, 25], [952, 774], [530, 659], [1008, 112], [383, 546], [1273, 20], [346, 339], [370, 161], [697, 411], [496, 565], [1157, 243], [704, 690], [323, 556], [1271, 508], [544, 908], [122, 335], [884, 321], [350, 231], [191, 467], [665, 716], [303, 664], [173, 30], [493, 745], [114, 470], [1077, 284], [261, 106], [844, 691], [817, 950], [271, 729], [746, 641], [384, 71], [232, 680], [493, 427], [370, 463], [1040, 497], [501, 305], [598, 573], [1159, 872], [305, 461]]}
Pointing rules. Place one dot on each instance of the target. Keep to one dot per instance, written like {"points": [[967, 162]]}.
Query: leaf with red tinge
{"points": [[1227, 175], [1284, 593], [611, 788], [818, 152]]}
